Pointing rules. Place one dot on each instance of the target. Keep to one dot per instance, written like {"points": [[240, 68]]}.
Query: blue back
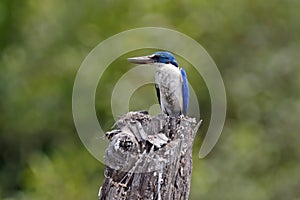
{"points": [[185, 91]]}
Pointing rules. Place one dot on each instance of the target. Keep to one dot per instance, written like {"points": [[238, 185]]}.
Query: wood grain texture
{"points": [[149, 158]]}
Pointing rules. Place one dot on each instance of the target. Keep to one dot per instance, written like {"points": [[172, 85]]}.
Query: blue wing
{"points": [[185, 91]]}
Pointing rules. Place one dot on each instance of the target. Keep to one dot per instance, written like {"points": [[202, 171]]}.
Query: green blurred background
{"points": [[254, 43]]}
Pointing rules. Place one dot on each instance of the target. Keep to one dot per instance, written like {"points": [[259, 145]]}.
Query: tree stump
{"points": [[149, 158]]}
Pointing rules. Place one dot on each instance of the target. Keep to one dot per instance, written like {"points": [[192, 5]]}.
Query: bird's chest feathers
{"points": [[168, 76], [169, 81]]}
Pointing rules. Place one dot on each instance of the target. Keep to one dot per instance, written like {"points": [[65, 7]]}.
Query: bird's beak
{"points": [[142, 60]]}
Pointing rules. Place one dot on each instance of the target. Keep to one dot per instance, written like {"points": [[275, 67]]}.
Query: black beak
{"points": [[142, 60]]}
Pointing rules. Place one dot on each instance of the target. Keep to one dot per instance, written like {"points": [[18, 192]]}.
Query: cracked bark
{"points": [[149, 158]]}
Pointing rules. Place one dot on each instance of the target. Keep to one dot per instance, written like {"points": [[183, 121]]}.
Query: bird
{"points": [[171, 82]]}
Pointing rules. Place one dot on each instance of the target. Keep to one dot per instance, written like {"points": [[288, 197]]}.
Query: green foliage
{"points": [[254, 43]]}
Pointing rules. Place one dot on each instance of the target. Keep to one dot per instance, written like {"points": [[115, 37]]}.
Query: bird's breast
{"points": [[169, 81]]}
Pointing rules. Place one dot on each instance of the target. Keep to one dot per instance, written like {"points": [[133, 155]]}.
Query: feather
{"points": [[157, 93], [185, 91]]}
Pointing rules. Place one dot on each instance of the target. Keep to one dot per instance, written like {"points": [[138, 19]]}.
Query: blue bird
{"points": [[170, 82]]}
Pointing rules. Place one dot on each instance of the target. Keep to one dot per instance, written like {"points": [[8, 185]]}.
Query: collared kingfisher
{"points": [[170, 82]]}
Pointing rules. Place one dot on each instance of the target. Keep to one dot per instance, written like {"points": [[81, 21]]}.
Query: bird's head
{"points": [[158, 57]]}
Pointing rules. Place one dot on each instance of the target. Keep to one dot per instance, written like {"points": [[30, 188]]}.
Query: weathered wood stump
{"points": [[149, 158]]}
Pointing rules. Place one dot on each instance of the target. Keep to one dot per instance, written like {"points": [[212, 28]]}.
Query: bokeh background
{"points": [[254, 43]]}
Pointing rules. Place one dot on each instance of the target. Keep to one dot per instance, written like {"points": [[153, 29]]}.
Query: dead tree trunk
{"points": [[149, 158]]}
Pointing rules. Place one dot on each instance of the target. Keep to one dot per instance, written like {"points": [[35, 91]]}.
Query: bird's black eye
{"points": [[155, 57]]}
